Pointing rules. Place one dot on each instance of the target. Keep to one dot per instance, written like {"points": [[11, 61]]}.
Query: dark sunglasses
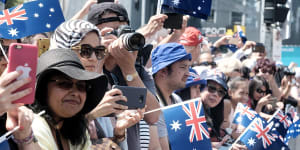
{"points": [[65, 84], [213, 89], [5, 48], [86, 51], [260, 91], [206, 63]]}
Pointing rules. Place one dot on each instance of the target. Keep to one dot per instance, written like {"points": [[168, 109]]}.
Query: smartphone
{"points": [[174, 21], [259, 47], [233, 41], [102, 1], [136, 96], [24, 57], [43, 45]]}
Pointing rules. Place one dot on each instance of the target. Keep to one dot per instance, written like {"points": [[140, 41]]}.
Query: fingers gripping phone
{"points": [[24, 57], [136, 96]]}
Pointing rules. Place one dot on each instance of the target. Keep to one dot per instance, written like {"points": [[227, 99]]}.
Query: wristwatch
{"points": [[130, 77]]}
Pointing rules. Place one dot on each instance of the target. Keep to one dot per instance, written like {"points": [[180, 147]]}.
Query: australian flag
{"points": [[244, 115], [187, 128], [281, 122], [199, 8], [294, 129], [259, 136], [4, 145], [30, 18]]}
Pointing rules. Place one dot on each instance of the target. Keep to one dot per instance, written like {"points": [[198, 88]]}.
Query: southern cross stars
{"points": [[251, 142], [13, 32], [176, 2], [175, 125]]}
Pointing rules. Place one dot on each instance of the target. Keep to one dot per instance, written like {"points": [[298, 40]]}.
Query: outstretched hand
{"points": [[8, 86]]}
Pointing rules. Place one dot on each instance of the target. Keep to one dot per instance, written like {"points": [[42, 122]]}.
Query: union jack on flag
{"points": [[259, 136], [281, 122], [244, 115], [30, 18], [186, 125]]}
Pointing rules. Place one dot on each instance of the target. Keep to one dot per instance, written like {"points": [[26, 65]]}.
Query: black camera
{"points": [[133, 41], [288, 72]]}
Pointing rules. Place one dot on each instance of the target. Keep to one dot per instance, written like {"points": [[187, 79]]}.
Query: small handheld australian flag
{"points": [[30, 18], [187, 128]]}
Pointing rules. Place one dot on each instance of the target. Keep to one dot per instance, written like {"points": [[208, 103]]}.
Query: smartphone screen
{"points": [[24, 57], [174, 21]]}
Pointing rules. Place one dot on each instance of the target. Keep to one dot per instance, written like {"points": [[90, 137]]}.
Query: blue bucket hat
{"points": [[217, 76], [194, 79], [167, 54]]}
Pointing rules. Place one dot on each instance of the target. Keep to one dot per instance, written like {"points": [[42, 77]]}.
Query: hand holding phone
{"points": [[24, 57], [136, 96]]}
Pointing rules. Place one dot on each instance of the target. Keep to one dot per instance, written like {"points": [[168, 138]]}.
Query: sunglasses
{"points": [[260, 91], [213, 89], [206, 63], [5, 48], [65, 84], [86, 51]]}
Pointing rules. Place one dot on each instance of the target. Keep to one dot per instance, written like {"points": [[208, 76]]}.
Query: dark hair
{"points": [[185, 94], [255, 83], [169, 69], [215, 117], [74, 128], [266, 65]]}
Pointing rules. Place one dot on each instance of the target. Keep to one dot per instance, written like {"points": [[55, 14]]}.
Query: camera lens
{"points": [[133, 41]]}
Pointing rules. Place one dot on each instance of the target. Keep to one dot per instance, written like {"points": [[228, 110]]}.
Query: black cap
{"points": [[97, 10]]}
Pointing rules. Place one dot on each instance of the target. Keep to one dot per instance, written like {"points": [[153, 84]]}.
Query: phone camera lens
{"points": [[18, 46]]}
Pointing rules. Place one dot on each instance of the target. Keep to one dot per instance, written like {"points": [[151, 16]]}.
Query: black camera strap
{"points": [[111, 19]]}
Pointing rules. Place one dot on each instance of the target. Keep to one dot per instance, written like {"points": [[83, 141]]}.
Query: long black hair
{"points": [[74, 128], [255, 83]]}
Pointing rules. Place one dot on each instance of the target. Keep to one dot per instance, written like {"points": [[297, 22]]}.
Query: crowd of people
{"points": [[87, 57]]}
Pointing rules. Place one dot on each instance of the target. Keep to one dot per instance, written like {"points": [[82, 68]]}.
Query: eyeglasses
{"points": [[5, 48], [260, 91], [213, 89], [86, 51], [65, 84], [206, 63]]}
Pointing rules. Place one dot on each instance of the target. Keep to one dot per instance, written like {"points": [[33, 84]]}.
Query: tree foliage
{"points": [[12, 3]]}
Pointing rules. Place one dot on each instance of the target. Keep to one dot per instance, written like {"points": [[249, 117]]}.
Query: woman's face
{"points": [[241, 93], [66, 96], [259, 92], [91, 64], [212, 94], [195, 91]]}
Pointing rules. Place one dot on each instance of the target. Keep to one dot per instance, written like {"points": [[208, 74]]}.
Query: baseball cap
{"points": [[167, 54], [191, 37], [217, 76], [97, 10], [194, 79]]}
